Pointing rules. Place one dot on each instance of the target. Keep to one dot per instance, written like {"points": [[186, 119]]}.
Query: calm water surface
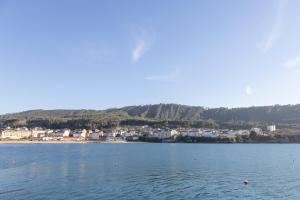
{"points": [[149, 171]]}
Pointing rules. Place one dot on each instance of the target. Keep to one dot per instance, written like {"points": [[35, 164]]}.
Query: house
{"points": [[66, 133], [208, 133], [84, 134], [39, 132], [191, 133], [102, 134], [132, 138], [76, 135], [127, 133], [55, 135], [236, 132], [164, 133], [94, 136], [258, 131], [271, 128]]}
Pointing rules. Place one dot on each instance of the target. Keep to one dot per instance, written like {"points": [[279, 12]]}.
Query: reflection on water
{"points": [[149, 171]]}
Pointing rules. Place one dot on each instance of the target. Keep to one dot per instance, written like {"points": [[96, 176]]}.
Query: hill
{"points": [[172, 115]]}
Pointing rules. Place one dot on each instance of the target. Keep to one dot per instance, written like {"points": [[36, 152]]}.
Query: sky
{"points": [[71, 54]]}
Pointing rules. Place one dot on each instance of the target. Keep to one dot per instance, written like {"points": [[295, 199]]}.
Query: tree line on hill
{"points": [[158, 115]]}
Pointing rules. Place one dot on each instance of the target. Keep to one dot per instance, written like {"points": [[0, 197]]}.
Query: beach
{"points": [[61, 142]]}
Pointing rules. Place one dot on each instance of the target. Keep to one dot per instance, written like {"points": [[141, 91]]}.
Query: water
{"points": [[149, 171]]}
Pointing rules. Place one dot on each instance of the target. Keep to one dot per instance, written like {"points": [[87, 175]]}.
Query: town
{"points": [[130, 134]]}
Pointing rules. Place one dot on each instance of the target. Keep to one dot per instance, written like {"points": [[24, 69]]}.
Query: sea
{"points": [[149, 171]]}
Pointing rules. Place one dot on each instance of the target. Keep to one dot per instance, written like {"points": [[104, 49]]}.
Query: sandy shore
{"points": [[62, 142]]}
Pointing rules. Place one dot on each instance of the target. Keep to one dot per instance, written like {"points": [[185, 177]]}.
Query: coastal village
{"points": [[129, 134]]}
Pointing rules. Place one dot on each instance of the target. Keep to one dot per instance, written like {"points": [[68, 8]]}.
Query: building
{"points": [[174, 133], [94, 136], [76, 135], [210, 133], [38, 132], [56, 134], [101, 134], [16, 133], [271, 128], [84, 134], [67, 133], [164, 133], [258, 131], [191, 133]]}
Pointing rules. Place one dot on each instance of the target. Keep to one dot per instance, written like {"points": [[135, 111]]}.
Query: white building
{"points": [[192, 133], [258, 131], [208, 133], [38, 133], [66, 133], [84, 134], [164, 133], [237, 132], [271, 128], [16, 133], [174, 133]]}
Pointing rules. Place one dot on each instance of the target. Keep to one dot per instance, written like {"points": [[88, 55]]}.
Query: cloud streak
{"points": [[265, 46], [295, 62], [249, 90], [143, 41], [138, 50], [172, 76]]}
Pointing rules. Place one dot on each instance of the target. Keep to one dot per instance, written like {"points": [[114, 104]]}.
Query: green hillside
{"points": [[174, 115]]}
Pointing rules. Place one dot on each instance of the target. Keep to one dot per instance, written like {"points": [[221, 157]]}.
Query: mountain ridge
{"points": [[176, 113]]}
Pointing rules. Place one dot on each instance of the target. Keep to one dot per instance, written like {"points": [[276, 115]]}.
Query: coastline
{"points": [[63, 142], [131, 142]]}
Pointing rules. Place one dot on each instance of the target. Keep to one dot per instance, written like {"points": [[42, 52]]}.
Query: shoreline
{"points": [[64, 142], [127, 142]]}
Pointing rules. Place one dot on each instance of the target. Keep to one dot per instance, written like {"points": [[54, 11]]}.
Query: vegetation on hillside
{"points": [[158, 115]]}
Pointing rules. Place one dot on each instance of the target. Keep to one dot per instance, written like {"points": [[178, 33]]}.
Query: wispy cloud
{"points": [[138, 50], [295, 62], [249, 90], [275, 32], [143, 41], [172, 76]]}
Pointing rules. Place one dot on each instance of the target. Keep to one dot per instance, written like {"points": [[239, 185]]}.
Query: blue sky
{"points": [[102, 54]]}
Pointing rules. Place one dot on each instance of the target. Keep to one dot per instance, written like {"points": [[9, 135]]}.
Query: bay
{"points": [[149, 171]]}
